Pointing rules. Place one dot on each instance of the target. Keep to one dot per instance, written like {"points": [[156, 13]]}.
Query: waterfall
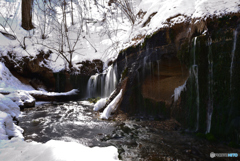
{"points": [[92, 85], [102, 85], [232, 57], [110, 81], [144, 65], [158, 63], [195, 73], [210, 87]]}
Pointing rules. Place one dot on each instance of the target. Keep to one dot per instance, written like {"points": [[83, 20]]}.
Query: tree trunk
{"points": [[27, 14], [72, 12]]}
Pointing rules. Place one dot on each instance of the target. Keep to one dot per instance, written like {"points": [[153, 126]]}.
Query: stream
{"points": [[136, 138]]}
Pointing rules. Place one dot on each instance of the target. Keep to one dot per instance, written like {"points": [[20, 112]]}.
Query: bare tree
{"points": [[27, 14], [67, 33], [126, 7]]}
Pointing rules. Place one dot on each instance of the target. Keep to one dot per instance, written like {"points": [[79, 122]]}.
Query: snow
{"points": [[100, 104], [111, 107], [8, 128], [170, 12], [9, 107], [98, 31], [72, 92], [21, 97], [10, 83], [87, 103], [53, 150], [104, 30], [178, 91]]}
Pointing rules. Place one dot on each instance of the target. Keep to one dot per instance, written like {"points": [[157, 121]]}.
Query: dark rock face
{"points": [[29, 71], [168, 74], [91, 67], [154, 69]]}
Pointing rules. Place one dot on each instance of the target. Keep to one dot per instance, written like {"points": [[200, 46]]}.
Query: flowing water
{"points": [[195, 73], [136, 138], [102, 85], [210, 87]]}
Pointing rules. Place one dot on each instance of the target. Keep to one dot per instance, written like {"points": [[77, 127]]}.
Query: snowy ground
{"points": [[17, 149]]}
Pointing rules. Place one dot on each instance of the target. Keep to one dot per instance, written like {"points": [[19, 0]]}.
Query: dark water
{"points": [[135, 139]]}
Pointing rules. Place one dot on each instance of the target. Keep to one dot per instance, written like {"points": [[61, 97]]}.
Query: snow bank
{"points": [[53, 150], [8, 106], [165, 13], [72, 92], [8, 128], [100, 104], [9, 83], [111, 107], [178, 91], [21, 98]]}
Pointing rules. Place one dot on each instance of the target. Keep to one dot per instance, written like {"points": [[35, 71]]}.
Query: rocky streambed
{"points": [[137, 138]]}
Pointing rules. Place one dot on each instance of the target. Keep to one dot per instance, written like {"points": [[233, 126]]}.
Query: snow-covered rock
{"points": [[100, 104], [9, 83], [111, 107], [8, 128], [8, 106], [166, 13], [22, 98]]}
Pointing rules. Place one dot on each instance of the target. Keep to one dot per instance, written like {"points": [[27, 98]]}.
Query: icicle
{"points": [[178, 91]]}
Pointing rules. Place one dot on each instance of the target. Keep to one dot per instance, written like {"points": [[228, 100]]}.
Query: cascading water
{"points": [[110, 81], [233, 57], [158, 68], [210, 87], [102, 85], [144, 65], [92, 85], [232, 91], [195, 73]]}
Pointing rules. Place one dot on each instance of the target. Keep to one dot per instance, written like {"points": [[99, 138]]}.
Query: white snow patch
{"points": [[9, 83], [111, 107], [8, 128], [72, 92], [8, 106], [87, 103], [166, 13], [54, 150], [100, 104], [178, 91], [21, 97]]}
